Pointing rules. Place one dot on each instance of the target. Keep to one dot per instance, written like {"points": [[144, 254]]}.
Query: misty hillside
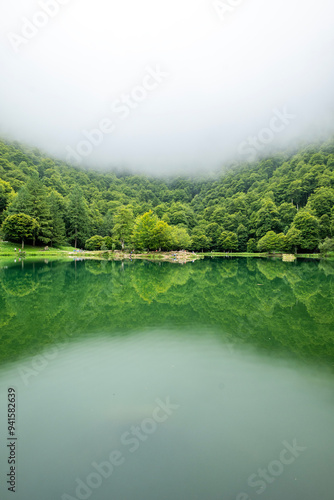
{"points": [[282, 202]]}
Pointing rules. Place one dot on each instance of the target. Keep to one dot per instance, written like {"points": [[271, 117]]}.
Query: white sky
{"points": [[226, 75]]}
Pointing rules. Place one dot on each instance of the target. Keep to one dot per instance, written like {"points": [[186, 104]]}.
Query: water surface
{"points": [[194, 379]]}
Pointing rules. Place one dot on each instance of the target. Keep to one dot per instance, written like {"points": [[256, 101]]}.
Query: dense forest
{"points": [[281, 203]]}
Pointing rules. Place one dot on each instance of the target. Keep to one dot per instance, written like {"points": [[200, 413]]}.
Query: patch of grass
{"points": [[233, 254], [310, 256], [7, 249], [10, 246]]}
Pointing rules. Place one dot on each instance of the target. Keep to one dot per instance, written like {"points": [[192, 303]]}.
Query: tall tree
{"points": [[293, 239], [123, 225], [6, 194], [58, 225], [20, 227], [32, 200], [272, 242], [308, 226], [162, 237], [143, 232], [228, 240], [77, 217]]}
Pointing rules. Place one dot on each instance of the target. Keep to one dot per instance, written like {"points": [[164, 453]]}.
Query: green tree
{"points": [[325, 227], [308, 226], [95, 218], [322, 201], [58, 234], [6, 194], [107, 223], [32, 200], [77, 217], [327, 246], [281, 242], [144, 231], [213, 231], [242, 234], [268, 242], [94, 243], [267, 218], [251, 245], [108, 242], [287, 212], [20, 227], [181, 239], [199, 240], [162, 236], [228, 240], [294, 239], [123, 225], [295, 191]]}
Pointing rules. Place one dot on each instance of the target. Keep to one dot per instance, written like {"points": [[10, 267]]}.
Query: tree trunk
{"points": [[75, 238], [22, 244], [122, 242]]}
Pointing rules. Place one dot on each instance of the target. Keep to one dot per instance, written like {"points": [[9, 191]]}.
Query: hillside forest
{"points": [[284, 203]]}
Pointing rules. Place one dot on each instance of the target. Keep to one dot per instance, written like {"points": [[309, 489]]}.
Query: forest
{"points": [[283, 203]]}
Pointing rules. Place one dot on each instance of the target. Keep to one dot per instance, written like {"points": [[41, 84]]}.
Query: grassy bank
{"points": [[234, 254], [12, 250], [267, 254]]}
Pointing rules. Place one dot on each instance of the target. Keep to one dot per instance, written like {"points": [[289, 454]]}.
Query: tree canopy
{"points": [[290, 194]]}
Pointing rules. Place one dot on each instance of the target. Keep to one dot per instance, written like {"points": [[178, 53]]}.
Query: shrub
{"points": [[94, 243]]}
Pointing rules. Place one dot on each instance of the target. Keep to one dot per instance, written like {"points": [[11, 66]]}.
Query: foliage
{"points": [[94, 243], [272, 242], [308, 225], [327, 246], [228, 241], [77, 217], [123, 225], [6, 194], [20, 227], [108, 243], [199, 240], [291, 193], [144, 231], [251, 245]]}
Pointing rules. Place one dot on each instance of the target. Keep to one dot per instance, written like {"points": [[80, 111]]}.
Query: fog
{"points": [[165, 87]]}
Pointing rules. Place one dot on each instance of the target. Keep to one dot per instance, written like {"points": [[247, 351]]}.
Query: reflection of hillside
{"points": [[151, 280], [229, 271], [97, 267], [6, 315], [271, 269], [18, 286], [327, 267], [270, 304]]}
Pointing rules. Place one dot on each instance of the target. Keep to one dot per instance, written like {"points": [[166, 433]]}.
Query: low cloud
{"points": [[231, 66]]}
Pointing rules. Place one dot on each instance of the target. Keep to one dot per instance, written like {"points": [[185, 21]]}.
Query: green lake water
{"points": [[158, 381]]}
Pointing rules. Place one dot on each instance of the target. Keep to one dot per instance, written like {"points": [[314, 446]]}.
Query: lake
{"points": [[153, 380]]}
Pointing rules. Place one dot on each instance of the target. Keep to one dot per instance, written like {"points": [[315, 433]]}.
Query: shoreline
{"points": [[180, 257]]}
